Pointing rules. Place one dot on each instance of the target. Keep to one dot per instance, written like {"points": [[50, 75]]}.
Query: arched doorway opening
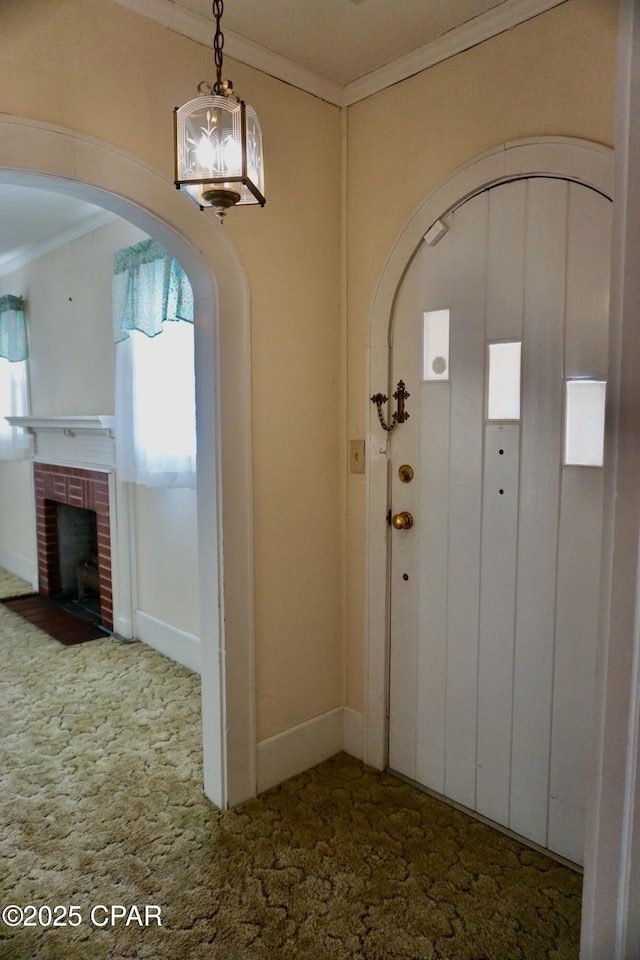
{"points": [[54, 159]]}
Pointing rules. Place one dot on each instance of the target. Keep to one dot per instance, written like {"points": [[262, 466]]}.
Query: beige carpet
{"points": [[12, 586], [102, 804]]}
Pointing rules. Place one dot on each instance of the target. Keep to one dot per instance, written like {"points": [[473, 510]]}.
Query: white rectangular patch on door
{"points": [[504, 381], [584, 423], [435, 365]]}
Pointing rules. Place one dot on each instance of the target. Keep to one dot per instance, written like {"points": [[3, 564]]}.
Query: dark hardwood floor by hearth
{"points": [[63, 626]]}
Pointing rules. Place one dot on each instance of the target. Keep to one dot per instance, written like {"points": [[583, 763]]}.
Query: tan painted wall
{"points": [[551, 76], [98, 69]]}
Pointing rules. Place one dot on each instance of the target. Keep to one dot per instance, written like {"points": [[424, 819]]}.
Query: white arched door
{"points": [[501, 334]]}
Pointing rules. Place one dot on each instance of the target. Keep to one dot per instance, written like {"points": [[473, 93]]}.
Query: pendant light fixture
{"points": [[218, 143]]}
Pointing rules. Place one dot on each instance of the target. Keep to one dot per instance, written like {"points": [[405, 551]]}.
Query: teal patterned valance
{"points": [[149, 287], [13, 329]]}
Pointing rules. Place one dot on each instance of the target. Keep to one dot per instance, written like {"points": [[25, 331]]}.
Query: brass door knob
{"points": [[402, 521]]}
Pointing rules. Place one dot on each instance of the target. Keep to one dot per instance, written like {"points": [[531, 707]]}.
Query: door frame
{"points": [[571, 159], [53, 158]]}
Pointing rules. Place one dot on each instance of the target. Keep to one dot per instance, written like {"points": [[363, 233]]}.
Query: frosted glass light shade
{"points": [[218, 152]]}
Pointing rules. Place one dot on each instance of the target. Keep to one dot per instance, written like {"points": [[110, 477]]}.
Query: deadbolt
{"points": [[402, 521], [405, 472]]}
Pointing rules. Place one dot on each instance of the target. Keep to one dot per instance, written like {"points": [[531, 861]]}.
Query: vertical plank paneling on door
{"points": [[432, 610], [539, 502], [497, 612], [587, 317], [586, 355], [467, 379], [432, 527], [505, 261], [576, 632], [505, 286], [403, 691]]}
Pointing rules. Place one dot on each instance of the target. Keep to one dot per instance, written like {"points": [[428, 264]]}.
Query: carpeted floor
{"points": [[101, 804], [12, 586]]}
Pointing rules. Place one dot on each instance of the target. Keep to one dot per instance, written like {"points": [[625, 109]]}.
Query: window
{"points": [[155, 383], [15, 443]]}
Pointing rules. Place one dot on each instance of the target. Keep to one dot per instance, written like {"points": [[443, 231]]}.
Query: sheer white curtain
{"points": [[15, 443], [155, 408], [155, 384]]}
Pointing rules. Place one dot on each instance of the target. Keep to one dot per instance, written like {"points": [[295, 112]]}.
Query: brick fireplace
{"points": [[76, 487]]}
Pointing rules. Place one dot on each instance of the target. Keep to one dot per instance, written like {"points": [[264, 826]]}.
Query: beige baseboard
{"points": [[176, 644], [19, 566], [307, 744]]}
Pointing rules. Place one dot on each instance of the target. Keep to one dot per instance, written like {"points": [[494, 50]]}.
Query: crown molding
{"points": [[73, 233], [195, 27], [498, 20]]}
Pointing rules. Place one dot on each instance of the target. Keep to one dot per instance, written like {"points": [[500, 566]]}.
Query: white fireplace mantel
{"points": [[75, 441], [95, 423]]}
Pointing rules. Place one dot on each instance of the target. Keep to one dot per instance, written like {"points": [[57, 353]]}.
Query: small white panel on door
{"points": [[584, 423], [435, 364], [503, 401]]}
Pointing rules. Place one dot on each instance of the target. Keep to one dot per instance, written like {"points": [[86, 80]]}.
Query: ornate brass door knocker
{"points": [[400, 414]]}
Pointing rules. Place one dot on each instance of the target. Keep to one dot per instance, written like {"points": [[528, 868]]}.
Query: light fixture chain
{"points": [[218, 44]]}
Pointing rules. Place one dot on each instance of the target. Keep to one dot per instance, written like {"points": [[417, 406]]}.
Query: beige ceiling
{"points": [[33, 221], [342, 50], [341, 40]]}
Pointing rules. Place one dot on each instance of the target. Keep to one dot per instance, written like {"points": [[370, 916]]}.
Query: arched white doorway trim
{"points": [[61, 160], [577, 160]]}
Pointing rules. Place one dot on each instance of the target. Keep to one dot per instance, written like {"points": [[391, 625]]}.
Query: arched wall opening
{"points": [[60, 160]]}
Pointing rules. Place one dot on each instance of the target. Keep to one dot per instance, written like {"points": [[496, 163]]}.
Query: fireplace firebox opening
{"points": [[74, 535]]}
